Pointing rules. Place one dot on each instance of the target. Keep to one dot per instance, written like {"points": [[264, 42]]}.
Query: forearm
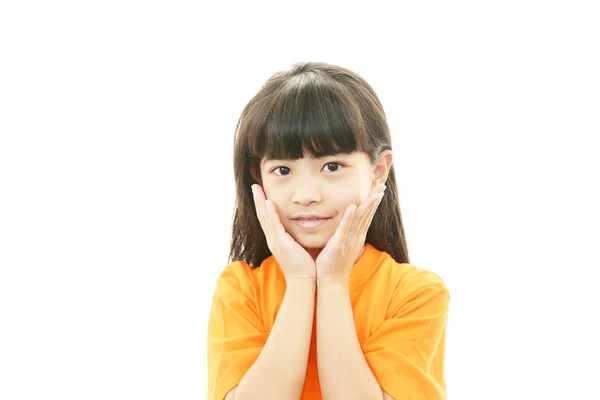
{"points": [[343, 370], [280, 369]]}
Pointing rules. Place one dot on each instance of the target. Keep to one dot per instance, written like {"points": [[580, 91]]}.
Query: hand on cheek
{"points": [[294, 260], [339, 255]]}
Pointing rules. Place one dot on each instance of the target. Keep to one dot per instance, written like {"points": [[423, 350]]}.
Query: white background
{"points": [[116, 184]]}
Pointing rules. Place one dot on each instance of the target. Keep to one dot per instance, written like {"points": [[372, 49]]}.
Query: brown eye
{"points": [[284, 171], [333, 166]]}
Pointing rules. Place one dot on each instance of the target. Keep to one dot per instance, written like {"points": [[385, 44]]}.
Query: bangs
{"points": [[308, 116]]}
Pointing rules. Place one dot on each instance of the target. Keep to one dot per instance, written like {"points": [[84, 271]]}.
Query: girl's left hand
{"points": [[341, 252]]}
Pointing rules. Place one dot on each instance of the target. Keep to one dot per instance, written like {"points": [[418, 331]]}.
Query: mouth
{"points": [[310, 223]]}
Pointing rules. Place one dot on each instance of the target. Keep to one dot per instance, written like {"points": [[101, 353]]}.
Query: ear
{"points": [[255, 172], [382, 168]]}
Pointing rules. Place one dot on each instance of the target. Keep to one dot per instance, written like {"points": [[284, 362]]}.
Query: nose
{"points": [[306, 191]]}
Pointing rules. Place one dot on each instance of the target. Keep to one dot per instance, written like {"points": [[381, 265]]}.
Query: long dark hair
{"points": [[319, 109]]}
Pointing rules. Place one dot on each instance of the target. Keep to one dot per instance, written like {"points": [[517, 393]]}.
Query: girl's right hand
{"points": [[295, 261]]}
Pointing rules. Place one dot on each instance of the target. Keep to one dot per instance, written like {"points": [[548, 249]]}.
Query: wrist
{"points": [[332, 281], [300, 281]]}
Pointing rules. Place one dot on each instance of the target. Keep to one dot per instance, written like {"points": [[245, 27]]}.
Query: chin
{"points": [[311, 241]]}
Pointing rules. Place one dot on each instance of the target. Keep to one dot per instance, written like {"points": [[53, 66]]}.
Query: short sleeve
{"points": [[406, 353], [236, 333]]}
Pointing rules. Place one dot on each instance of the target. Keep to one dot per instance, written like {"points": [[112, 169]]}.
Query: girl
{"points": [[320, 299]]}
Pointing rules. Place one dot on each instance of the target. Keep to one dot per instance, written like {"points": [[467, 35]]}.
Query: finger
{"points": [[274, 220], [358, 215], [276, 224], [274, 228], [371, 198], [257, 202], [380, 191], [261, 210], [341, 233], [354, 227], [364, 219], [366, 205], [368, 218], [377, 194]]}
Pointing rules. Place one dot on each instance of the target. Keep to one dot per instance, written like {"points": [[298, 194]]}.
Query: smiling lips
{"points": [[310, 223]]}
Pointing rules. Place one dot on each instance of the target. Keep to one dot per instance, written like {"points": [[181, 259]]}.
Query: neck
{"points": [[314, 253]]}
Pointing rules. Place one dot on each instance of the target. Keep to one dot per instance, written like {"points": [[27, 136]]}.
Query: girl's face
{"points": [[320, 188]]}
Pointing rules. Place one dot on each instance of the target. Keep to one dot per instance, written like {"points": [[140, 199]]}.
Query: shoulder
{"points": [[236, 279], [407, 276], [414, 285], [239, 277]]}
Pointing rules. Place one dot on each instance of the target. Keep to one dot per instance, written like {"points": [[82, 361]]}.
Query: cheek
{"points": [[270, 192], [277, 199], [346, 196], [279, 205]]}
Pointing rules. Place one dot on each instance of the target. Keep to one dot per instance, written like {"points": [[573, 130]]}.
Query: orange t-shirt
{"points": [[400, 313]]}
